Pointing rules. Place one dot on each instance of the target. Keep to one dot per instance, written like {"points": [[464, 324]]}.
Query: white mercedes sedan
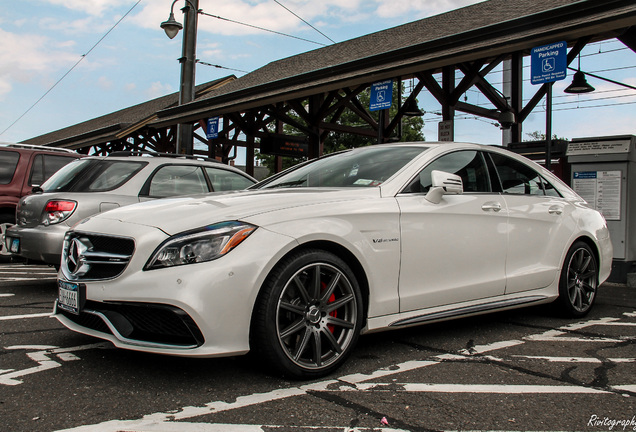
{"points": [[298, 266]]}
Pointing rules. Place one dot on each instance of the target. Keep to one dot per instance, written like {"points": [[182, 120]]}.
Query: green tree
{"points": [[538, 136]]}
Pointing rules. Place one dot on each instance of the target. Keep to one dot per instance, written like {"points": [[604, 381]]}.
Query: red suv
{"points": [[23, 166]]}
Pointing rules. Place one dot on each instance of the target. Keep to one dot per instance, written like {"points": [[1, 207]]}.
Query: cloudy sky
{"points": [[66, 61]]}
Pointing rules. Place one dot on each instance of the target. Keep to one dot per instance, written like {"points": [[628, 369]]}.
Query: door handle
{"points": [[491, 206], [555, 209]]}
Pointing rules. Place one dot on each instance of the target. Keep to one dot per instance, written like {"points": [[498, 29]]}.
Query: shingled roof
{"points": [[119, 123]]}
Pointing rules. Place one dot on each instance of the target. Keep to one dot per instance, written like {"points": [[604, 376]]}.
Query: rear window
{"points": [[88, 175], [8, 163]]}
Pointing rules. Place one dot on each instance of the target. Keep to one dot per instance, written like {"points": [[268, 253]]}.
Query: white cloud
{"points": [[25, 58], [208, 50], [104, 83], [158, 89], [266, 14], [5, 87], [91, 7]]}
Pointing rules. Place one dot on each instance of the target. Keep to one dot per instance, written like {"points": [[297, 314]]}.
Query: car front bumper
{"points": [[195, 310]]}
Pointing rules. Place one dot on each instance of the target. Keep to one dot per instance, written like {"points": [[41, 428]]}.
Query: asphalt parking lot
{"points": [[512, 371]]}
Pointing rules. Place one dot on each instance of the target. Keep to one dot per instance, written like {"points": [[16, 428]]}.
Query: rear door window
{"points": [[8, 163], [520, 179], [171, 180]]}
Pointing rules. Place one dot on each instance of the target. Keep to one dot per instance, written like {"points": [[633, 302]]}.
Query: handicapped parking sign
{"points": [[381, 95], [212, 128], [548, 63]]}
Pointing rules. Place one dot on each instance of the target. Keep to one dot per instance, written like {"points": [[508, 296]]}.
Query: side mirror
{"points": [[443, 183], [36, 189]]}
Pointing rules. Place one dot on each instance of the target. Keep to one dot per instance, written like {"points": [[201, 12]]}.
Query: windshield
{"points": [[362, 167], [92, 175]]}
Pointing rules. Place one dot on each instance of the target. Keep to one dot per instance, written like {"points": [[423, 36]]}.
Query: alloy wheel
{"points": [[316, 316], [581, 279]]}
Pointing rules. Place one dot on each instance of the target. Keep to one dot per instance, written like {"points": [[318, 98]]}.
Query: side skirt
{"points": [[470, 310]]}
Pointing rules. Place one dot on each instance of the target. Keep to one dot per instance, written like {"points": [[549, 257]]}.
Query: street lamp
{"points": [[188, 60], [172, 26]]}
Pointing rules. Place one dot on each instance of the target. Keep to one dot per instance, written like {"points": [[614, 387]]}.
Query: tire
{"points": [[578, 282], [308, 316], [6, 221]]}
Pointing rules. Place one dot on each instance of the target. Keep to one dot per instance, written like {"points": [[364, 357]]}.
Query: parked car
{"points": [[296, 267], [97, 184], [23, 166]]}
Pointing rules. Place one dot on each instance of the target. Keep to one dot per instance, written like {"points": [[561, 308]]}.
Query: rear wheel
{"points": [[308, 316], [579, 281], [6, 221]]}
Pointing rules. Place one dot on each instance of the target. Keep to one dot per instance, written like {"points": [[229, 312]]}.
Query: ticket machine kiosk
{"points": [[603, 172]]}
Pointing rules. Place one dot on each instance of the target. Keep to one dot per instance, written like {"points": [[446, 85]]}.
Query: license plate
{"points": [[14, 245], [70, 296]]}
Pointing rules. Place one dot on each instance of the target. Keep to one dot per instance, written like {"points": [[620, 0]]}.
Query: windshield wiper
{"points": [[287, 184]]}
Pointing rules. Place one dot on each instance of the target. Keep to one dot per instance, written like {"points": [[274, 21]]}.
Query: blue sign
{"points": [[549, 63], [213, 128], [381, 95], [585, 175]]}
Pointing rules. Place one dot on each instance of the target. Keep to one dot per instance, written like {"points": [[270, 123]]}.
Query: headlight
{"points": [[205, 244]]}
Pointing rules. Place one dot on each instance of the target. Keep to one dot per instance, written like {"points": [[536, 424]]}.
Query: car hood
{"points": [[174, 215]]}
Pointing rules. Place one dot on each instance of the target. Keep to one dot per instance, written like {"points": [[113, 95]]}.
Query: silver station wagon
{"points": [[97, 184]]}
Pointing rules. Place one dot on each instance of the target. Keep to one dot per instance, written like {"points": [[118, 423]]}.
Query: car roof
{"points": [[155, 159], [160, 158], [31, 147]]}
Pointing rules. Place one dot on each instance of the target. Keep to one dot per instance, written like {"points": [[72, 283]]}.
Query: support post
{"points": [[188, 61]]}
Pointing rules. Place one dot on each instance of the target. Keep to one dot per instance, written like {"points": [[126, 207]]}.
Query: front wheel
{"points": [[579, 281], [308, 316]]}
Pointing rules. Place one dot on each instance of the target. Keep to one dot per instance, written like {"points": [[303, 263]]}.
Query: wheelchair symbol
{"points": [[548, 64]]}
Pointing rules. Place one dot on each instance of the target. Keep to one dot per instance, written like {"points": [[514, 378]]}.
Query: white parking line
{"points": [[20, 279], [474, 388], [18, 273], [577, 359], [15, 317], [42, 357]]}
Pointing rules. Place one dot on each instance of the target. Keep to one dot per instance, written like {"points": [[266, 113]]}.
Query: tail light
{"points": [[58, 211]]}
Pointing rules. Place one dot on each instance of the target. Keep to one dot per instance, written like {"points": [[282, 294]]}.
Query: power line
{"points": [[220, 67], [260, 28], [71, 69], [596, 106], [291, 12]]}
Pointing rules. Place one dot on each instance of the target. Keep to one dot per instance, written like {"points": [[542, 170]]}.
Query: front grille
{"points": [[152, 323], [121, 245], [87, 256]]}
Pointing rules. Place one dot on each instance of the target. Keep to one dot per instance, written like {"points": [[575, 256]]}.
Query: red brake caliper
{"points": [[332, 298]]}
